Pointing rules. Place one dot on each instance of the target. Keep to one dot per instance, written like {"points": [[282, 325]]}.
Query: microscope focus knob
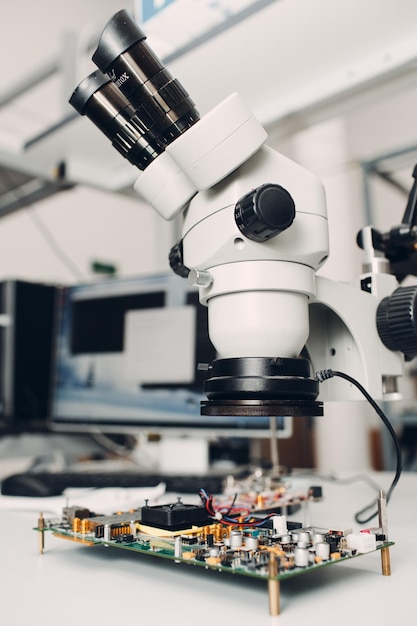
{"points": [[176, 260], [396, 321], [265, 212]]}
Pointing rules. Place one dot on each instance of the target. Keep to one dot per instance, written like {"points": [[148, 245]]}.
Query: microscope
{"points": [[254, 235]]}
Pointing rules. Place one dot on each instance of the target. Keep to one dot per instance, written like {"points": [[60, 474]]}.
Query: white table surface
{"points": [[75, 585]]}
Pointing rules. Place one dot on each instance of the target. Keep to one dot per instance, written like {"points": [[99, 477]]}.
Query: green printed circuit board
{"points": [[261, 544]]}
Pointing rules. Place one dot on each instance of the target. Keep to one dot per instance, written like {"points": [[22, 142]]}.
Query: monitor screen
{"points": [[126, 357]]}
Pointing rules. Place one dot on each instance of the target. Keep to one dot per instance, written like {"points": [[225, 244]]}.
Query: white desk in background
{"points": [[73, 585]]}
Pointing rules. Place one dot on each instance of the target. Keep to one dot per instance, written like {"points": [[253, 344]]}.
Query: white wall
{"points": [[83, 225]]}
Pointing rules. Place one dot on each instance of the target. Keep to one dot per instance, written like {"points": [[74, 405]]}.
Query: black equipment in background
{"points": [[26, 332]]}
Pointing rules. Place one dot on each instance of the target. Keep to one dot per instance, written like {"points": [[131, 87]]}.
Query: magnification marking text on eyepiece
{"points": [[161, 103]]}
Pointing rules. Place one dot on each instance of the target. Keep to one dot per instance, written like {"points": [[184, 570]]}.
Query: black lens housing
{"points": [[259, 386], [98, 98], [161, 103]]}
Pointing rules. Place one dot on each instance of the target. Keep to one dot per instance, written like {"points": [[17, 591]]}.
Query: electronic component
{"points": [[175, 516], [222, 536]]}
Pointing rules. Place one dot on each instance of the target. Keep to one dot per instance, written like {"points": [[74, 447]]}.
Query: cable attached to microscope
{"points": [[323, 375]]}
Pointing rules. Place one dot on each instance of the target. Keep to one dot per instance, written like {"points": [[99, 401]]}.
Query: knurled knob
{"points": [[265, 212], [396, 321], [176, 260]]}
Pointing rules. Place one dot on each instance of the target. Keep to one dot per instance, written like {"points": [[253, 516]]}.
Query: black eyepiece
{"points": [[120, 33], [100, 100], [161, 103], [86, 89]]}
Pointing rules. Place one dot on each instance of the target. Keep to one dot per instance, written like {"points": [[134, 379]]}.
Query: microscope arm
{"points": [[343, 336]]}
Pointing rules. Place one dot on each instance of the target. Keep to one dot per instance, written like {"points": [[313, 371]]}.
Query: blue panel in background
{"points": [[152, 7]]}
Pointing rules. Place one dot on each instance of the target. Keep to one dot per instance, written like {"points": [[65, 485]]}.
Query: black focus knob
{"points": [[396, 321], [265, 212], [176, 260]]}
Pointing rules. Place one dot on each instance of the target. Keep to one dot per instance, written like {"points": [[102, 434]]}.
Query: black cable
{"points": [[229, 510], [323, 375]]}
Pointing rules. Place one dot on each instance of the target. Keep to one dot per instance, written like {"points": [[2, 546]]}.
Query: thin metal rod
{"points": [[274, 446], [29, 81]]}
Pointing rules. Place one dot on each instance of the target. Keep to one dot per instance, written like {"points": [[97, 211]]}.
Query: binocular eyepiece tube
{"points": [[139, 106], [98, 98]]}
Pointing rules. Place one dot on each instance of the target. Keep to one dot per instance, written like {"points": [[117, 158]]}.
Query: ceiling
{"points": [[293, 62]]}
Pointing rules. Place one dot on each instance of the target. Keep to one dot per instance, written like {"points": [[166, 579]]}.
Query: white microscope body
{"points": [[254, 235], [263, 297]]}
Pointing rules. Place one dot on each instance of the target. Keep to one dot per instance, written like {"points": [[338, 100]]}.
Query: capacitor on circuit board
{"points": [[236, 539], [323, 550], [301, 557], [251, 542]]}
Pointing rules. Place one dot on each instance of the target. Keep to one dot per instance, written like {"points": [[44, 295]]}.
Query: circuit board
{"points": [[260, 543]]}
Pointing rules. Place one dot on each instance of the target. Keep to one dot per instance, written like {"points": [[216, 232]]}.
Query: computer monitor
{"points": [[126, 360]]}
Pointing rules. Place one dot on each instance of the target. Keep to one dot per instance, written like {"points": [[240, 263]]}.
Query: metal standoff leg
{"points": [[41, 527], [273, 585], [382, 515], [385, 562]]}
